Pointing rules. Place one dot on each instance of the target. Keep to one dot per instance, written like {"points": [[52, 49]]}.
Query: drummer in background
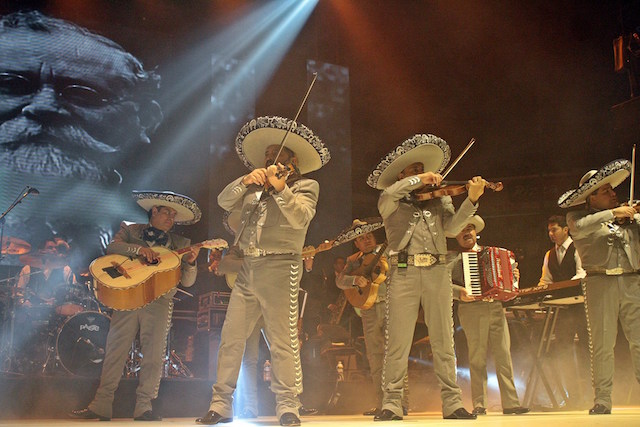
{"points": [[45, 275], [485, 327]]}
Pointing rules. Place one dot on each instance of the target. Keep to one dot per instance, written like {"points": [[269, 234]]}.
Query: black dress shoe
{"points": [[87, 414], [303, 411], [289, 419], [372, 411], [147, 416], [599, 409], [460, 414], [515, 410], [213, 417], [387, 415], [479, 410]]}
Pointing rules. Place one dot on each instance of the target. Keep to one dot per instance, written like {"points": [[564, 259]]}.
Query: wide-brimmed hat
{"points": [[187, 209], [613, 173], [358, 227], [477, 222], [258, 134], [433, 152]]}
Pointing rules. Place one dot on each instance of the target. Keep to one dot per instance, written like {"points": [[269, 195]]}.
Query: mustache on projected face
{"points": [[66, 151]]}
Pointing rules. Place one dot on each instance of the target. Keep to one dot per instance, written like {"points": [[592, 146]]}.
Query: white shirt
{"points": [[546, 277]]}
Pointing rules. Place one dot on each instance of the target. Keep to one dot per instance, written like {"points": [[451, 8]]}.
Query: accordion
{"points": [[489, 274]]}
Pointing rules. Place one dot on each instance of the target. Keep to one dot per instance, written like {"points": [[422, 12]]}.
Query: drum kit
{"points": [[61, 330]]}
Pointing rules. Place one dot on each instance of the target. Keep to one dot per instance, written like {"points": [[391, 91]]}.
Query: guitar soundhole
{"points": [[112, 272]]}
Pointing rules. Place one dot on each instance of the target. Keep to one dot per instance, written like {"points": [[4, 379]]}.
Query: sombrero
{"points": [[613, 173], [477, 222], [187, 209], [256, 135], [433, 152], [358, 228]]}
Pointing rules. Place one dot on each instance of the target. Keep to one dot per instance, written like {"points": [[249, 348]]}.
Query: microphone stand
{"points": [[18, 200], [7, 348]]}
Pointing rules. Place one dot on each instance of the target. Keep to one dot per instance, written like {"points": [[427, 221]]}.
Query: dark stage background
{"points": [[533, 82]]}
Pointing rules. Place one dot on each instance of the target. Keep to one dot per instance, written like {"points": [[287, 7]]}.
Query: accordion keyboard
{"points": [[471, 269]]}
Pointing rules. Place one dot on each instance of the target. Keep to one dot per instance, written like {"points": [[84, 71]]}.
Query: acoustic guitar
{"points": [[128, 283], [374, 268]]}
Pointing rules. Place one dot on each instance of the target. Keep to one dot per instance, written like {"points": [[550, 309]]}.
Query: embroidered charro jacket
{"points": [[601, 242], [275, 223], [403, 219]]}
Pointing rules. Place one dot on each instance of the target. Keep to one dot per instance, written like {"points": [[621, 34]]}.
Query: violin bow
{"points": [[455, 162], [633, 174], [295, 119]]}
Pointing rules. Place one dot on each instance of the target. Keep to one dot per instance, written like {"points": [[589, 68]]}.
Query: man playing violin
{"points": [[271, 234], [418, 273], [610, 254]]}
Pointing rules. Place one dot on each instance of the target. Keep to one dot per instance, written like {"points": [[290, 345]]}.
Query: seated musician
{"points": [[609, 248], [561, 263], [373, 320], [485, 327], [152, 320], [45, 275]]}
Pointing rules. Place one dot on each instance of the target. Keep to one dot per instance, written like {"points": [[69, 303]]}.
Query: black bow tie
{"points": [[154, 236]]}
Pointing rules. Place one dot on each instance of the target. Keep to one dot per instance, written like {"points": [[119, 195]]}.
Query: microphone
{"points": [[32, 190]]}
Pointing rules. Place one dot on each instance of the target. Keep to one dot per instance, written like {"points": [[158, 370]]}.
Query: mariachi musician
{"points": [[418, 273], [276, 206], [152, 321], [358, 273], [607, 237], [485, 327]]}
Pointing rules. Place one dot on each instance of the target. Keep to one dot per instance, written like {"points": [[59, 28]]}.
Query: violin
{"points": [[449, 188], [288, 170]]}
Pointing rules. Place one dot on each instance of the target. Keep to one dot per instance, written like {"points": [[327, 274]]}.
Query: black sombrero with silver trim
{"points": [[187, 210], [613, 173], [433, 152], [358, 228], [258, 134]]}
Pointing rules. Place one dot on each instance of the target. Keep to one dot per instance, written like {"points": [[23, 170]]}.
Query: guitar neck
{"points": [[321, 248]]}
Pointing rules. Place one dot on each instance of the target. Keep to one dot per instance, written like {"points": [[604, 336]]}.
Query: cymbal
{"points": [[14, 246]]}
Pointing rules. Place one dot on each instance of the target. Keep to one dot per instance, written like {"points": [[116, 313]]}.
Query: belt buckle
{"points": [[424, 260], [614, 271], [251, 251]]}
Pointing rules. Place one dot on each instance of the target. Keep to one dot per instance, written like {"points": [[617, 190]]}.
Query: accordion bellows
{"points": [[489, 274]]}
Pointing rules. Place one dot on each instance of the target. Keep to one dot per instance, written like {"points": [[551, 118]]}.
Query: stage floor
{"points": [[621, 416]]}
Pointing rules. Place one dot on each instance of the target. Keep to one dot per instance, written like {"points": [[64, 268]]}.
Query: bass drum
{"points": [[82, 342]]}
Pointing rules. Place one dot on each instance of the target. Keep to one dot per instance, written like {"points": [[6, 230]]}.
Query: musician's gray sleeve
{"points": [[454, 221], [121, 243], [189, 272], [231, 196]]}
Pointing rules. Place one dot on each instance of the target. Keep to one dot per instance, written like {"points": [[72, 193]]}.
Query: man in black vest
{"points": [[563, 263]]}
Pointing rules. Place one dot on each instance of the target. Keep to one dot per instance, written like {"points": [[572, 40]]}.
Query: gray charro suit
{"points": [[420, 229], [152, 321], [603, 244], [373, 326], [273, 230], [485, 327]]}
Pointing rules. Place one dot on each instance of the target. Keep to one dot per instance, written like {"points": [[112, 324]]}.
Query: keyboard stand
{"points": [[542, 355]]}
